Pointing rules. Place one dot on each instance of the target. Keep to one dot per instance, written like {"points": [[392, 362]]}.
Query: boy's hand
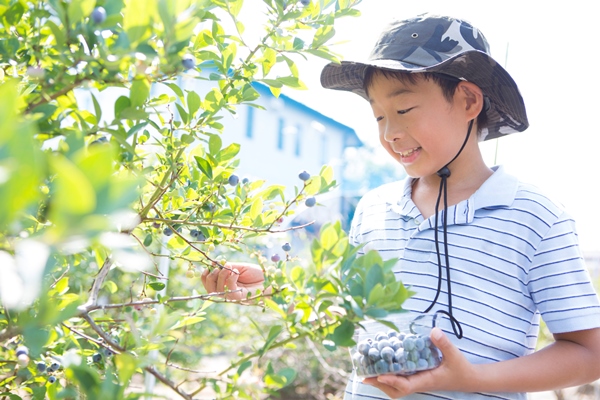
{"points": [[454, 373], [238, 279]]}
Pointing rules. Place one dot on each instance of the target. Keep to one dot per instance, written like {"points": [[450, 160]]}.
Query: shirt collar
{"points": [[497, 191]]}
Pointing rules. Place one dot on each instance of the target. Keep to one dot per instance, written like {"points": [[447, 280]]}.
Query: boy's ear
{"points": [[472, 98]]}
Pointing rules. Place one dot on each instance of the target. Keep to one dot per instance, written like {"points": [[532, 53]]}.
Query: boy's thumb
{"points": [[439, 338]]}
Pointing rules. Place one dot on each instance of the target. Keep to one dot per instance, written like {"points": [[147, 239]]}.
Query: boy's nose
{"points": [[392, 132]]}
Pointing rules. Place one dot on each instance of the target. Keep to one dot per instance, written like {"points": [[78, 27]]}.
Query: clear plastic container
{"points": [[382, 350]]}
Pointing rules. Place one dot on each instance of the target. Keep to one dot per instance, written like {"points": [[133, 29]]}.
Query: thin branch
{"points": [[232, 227], [93, 299], [150, 369]]}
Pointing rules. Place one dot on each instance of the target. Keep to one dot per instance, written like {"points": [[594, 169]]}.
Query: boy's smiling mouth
{"points": [[408, 152]]}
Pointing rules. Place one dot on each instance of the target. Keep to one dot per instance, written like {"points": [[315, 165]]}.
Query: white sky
{"points": [[553, 57]]}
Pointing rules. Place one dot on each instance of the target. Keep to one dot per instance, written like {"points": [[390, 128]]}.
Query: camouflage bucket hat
{"points": [[444, 45]]}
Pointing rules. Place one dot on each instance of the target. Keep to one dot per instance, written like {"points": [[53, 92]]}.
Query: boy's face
{"points": [[418, 127]]}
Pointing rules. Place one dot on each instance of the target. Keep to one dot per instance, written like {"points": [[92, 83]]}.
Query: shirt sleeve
{"points": [[559, 282]]}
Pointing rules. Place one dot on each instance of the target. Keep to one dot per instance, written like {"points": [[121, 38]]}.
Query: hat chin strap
{"points": [[444, 173]]}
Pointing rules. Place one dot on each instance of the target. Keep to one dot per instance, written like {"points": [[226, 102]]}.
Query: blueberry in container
{"points": [[405, 350]]}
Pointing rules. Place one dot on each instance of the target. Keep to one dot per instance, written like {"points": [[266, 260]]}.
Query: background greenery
{"points": [[107, 222]]}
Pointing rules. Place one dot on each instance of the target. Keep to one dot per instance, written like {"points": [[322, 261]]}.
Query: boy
{"points": [[502, 251]]}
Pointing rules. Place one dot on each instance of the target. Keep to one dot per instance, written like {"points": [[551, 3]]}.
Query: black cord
{"points": [[444, 173]]}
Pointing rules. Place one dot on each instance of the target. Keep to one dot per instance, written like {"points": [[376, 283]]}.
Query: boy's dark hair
{"points": [[447, 83]]}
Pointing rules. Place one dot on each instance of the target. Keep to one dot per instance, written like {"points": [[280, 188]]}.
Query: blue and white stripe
{"points": [[514, 256]]}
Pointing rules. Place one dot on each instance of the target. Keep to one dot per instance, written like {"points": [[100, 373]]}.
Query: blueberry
{"points": [[54, 366], [155, 225], [400, 356], [275, 257], [168, 231], [396, 367], [396, 344], [188, 61], [422, 364], [286, 247], [97, 357], [51, 379], [101, 140], [381, 367], [310, 202], [304, 175], [234, 180], [22, 350], [419, 344], [411, 366], [370, 370], [433, 361], [409, 343], [305, 2], [99, 15], [425, 353], [413, 355], [392, 333], [107, 352], [363, 347], [41, 366], [374, 354], [245, 180], [198, 235], [381, 336], [387, 353], [383, 343]]}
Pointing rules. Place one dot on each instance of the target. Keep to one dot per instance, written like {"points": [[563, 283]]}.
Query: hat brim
{"points": [[506, 113]]}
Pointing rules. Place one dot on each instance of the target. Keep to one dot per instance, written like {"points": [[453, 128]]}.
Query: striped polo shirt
{"points": [[514, 256]]}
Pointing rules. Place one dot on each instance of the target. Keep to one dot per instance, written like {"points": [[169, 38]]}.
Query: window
{"points": [[298, 146], [280, 134], [250, 123]]}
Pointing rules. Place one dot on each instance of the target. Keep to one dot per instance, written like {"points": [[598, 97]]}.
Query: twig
{"points": [[93, 299]]}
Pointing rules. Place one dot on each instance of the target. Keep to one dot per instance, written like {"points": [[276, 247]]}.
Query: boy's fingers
{"points": [[211, 280], [231, 283], [222, 277], [443, 343]]}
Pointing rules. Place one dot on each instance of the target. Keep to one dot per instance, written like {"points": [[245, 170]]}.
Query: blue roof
{"points": [[351, 139]]}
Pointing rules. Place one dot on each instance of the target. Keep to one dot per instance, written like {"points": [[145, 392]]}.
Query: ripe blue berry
{"points": [[188, 61], [22, 350], [234, 180], [97, 357], [99, 15], [374, 354], [275, 257], [363, 347], [286, 247], [51, 379], [107, 352], [41, 366], [387, 353], [168, 231], [304, 175], [54, 366], [245, 180], [310, 202]]}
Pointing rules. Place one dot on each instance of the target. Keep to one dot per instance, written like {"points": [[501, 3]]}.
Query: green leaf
{"points": [[126, 365], [322, 35], [158, 286], [74, 194], [230, 151], [214, 144], [244, 366], [139, 92], [79, 9], [342, 335], [204, 166], [273, 333], [374, 277], [193, 101], [121, 103]]}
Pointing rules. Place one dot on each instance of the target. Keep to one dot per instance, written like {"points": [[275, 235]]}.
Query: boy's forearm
{"points": [[562, 364]]}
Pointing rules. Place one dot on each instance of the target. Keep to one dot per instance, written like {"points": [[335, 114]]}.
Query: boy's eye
{"points": [[378, 119], [401, 112]]}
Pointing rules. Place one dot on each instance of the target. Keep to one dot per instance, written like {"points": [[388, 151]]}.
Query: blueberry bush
{"points": [[109, 213]]}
